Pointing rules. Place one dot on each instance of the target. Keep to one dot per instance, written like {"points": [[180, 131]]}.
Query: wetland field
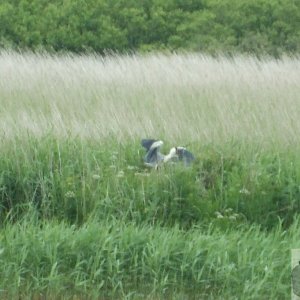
{"points": [[81, 217]]}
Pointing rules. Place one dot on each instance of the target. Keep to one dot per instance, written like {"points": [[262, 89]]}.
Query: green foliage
{"points": [[75, 180], [113, 259], [260, 27]]}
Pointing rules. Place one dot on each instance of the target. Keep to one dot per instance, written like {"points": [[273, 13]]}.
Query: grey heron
{"points": [[154, 158]]}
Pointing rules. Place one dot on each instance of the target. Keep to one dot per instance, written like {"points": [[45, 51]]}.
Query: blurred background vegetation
{"points": [[253, 26]]}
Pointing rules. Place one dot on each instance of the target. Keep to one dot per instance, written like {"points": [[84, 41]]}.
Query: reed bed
{"points": [[184, 98]]}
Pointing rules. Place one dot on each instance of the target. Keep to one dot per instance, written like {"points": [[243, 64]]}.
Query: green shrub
{"points": [[260, 27]]}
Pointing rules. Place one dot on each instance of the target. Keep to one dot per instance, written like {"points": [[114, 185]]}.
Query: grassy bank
{"points": [[100, 260], [79, 210]]}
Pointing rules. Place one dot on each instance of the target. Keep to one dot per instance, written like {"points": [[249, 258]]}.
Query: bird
{"points": [[154, 158]]}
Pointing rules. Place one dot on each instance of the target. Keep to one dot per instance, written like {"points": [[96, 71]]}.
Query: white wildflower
{"points": [[69, 194], [141, 174], [244, 191], [131, 167], [232, 217], [120, 174], [219, 215]]}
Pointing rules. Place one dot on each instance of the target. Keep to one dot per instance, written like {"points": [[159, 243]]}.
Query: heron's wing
{"points": [[153, 156], [184, 155], [147, 143]]}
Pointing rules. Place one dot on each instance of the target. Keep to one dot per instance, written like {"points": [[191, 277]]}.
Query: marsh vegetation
{"points": [[82, 217]]}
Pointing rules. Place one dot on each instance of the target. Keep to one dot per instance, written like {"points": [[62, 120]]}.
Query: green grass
{"points": [[114, 259], [78, 216], [71, 180], [82, 217]]}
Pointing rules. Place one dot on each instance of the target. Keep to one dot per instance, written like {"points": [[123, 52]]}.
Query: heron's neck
{"points": [[168, 156]]}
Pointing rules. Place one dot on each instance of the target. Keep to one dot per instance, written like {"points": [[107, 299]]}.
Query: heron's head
{"points": [[179, 150]]}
